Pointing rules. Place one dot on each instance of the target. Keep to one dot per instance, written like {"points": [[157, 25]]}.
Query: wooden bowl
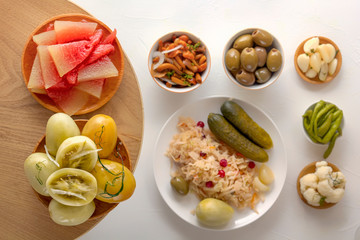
{"points": [[102, 208], [316, 80], [310, 168], [111, 84]]}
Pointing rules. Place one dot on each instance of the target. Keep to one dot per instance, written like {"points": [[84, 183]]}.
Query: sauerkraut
{"points": [[197, 154]]}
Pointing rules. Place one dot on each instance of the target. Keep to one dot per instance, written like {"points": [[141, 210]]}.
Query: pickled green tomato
{"points": [[77, 152], [72, 186], [213, 212], [59, 127], [70, 215], [37, 169]]}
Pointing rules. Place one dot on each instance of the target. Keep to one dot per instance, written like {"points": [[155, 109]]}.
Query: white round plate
{"points": [[184, 206]]}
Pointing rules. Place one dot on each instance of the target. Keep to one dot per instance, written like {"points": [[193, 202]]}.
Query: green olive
{"points": [[232, 59], [249, 59], [262, 75], [262, 38], [245, 78], [274, 60], [180, 185], [213, 212], [262, 54], [243, 41]]}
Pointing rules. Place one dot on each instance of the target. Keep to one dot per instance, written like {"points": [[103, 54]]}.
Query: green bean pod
{"points": [[331, 145], [334, 127], [324, 128]]}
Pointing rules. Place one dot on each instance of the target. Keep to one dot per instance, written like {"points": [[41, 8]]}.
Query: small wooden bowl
{"points": [[111, 84], [316, 80], [102, 208], [310, 168]]}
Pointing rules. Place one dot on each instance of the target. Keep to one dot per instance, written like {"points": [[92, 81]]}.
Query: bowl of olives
{"points": [[253, 58]]}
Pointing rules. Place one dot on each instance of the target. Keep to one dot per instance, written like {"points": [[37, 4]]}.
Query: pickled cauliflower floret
{"points": [[312, 197], [308, 181], [323, 186], [332, 195], [323, 171]]}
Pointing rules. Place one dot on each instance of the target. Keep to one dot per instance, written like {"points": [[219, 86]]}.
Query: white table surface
{"points": [[140, 23]]}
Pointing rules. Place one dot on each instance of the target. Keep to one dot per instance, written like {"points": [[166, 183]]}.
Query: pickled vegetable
{"points": [[322, 123], [37, 169], [77, 152], [225, 132], [72, 187], [266, 175], [70, 215], [213, 212], [245, 124], [180, 185], [115, 182], [59, 127], [102, 130]]}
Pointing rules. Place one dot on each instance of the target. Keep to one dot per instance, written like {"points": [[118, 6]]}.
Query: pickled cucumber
{"points": [[225, 132], [245, 124]]}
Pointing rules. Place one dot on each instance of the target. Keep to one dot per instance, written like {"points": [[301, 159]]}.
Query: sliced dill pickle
{"points": [[225, 132], [245, 124]]}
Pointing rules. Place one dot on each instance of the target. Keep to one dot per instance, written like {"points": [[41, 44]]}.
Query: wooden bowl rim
{"points": [[104, 99], [310, 168], [316, 80], [46, 199]]}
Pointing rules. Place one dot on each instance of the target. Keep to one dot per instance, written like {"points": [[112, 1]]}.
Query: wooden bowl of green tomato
{"points": [[70, 176]]}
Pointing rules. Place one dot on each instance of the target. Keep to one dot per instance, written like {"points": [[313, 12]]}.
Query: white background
{"points": [[141, 23]]}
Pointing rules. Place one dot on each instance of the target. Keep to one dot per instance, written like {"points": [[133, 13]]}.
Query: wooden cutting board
{"points": [[23, 121]]}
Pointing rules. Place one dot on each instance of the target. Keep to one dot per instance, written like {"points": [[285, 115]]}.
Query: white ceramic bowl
{"points": [[276, 44], [168, 37]]}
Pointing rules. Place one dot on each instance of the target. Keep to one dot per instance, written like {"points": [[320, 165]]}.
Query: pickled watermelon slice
{"points": [[48, 69], [102, 68], [68, 55], [45, 38], [93, 87], [70, 100], [72, 64], [67, 31], [36, 81]]}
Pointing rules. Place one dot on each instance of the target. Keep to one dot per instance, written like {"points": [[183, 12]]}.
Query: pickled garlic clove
{"points": [[332, 66], [315, 62], [324, 69], [259, 186], [327, 52], [303, 62], [311, 45], [311, 73]]}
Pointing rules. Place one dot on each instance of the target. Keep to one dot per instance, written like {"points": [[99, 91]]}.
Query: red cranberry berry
{"points": [[209, 184], [223, 162], [200, 124], [221, 173], [203, 155], [251, 164]]}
